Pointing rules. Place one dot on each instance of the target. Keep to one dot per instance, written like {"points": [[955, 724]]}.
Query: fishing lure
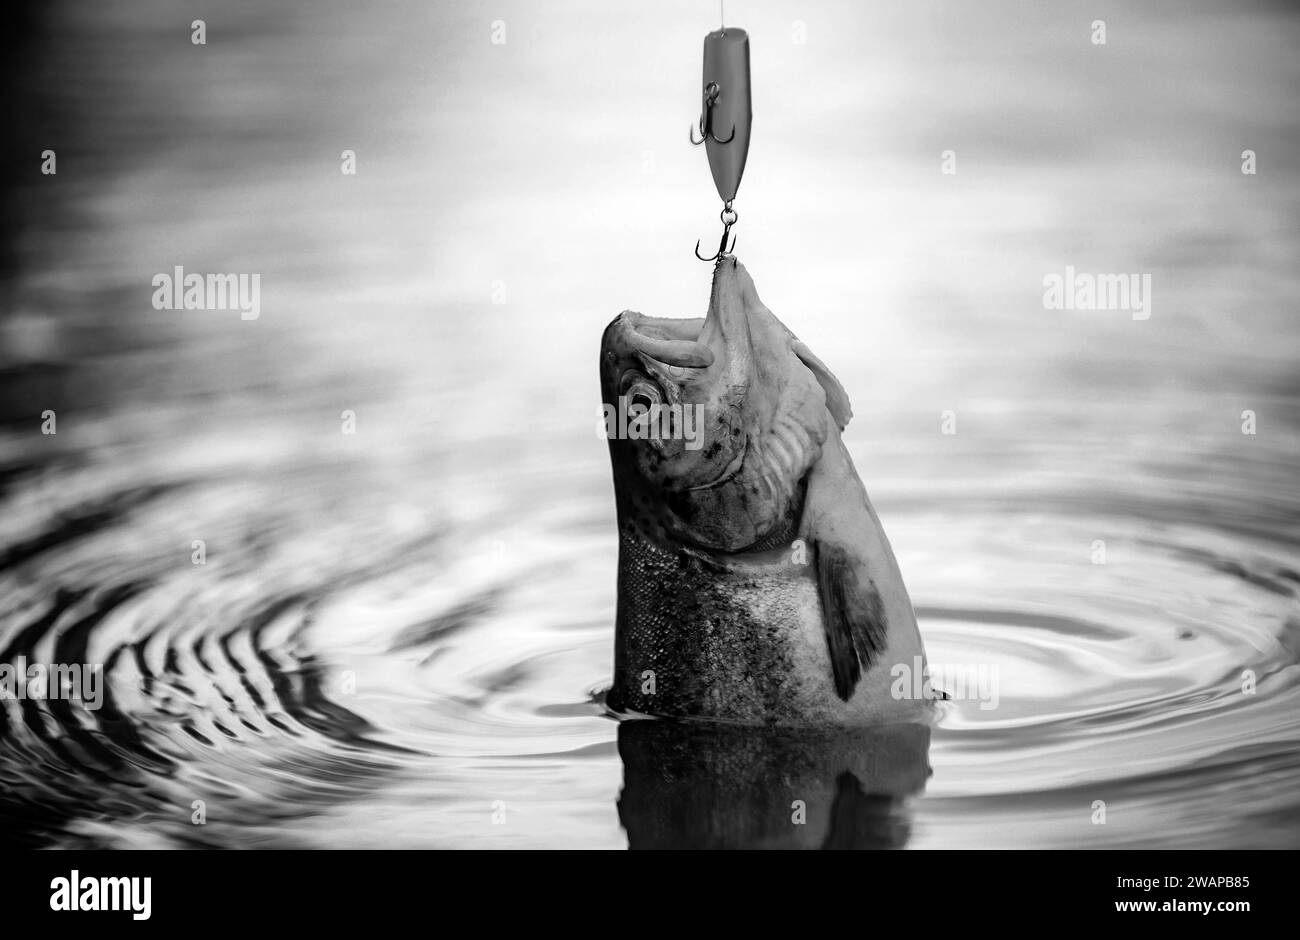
{"points": [[725, 119]]}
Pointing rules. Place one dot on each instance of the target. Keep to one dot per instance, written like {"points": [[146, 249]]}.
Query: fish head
{"points": [[690, 408]]}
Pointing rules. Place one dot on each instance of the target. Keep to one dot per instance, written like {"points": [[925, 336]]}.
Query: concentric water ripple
{"points": [[388, 681]]}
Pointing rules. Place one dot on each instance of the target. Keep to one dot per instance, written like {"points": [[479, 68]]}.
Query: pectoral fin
{"points": [[853, 613], [837, 400]]}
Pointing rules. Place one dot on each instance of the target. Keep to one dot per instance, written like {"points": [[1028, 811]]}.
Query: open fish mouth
{"points": [[672, 342]]}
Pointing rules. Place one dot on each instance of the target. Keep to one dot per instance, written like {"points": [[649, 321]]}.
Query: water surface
{"points": [[401, 635]]}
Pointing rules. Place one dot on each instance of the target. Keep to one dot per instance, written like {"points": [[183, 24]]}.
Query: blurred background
{"points": [[403, 621]]}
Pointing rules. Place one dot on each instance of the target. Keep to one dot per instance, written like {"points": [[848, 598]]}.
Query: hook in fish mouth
{"points": [[729, 217]]}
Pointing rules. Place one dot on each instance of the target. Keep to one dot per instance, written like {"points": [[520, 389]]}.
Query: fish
{"points": [[755, 582]]}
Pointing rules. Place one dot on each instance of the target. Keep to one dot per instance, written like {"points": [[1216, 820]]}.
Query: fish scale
{"points": [[718, 641]]}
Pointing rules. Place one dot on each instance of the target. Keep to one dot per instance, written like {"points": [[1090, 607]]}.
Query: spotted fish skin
{"points": [[698, 639], [755, 584]]}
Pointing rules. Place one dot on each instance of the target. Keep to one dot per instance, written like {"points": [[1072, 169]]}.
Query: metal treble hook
{"points": [[729, 218], [706, 119]]}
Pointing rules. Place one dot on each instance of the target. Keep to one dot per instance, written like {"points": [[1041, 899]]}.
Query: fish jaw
{"points": [[663, 363], [761, 419]]}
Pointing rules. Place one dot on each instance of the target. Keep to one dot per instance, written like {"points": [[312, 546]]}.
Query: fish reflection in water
{"points": [[705, 785]]}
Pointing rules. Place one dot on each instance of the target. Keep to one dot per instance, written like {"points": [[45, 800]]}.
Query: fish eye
{"points": [[644, 393]]}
